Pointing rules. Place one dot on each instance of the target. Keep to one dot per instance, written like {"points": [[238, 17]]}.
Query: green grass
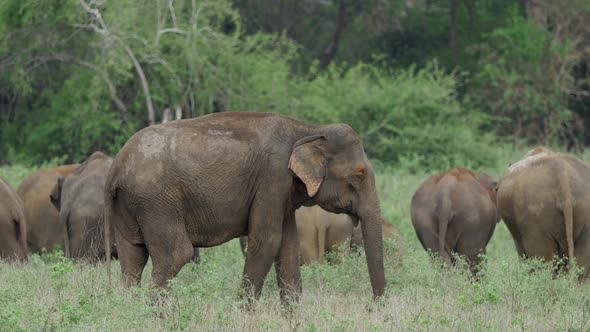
{"points": [[52, 293]]}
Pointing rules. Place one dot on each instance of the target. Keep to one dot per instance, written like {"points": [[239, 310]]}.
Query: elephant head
{"points": [[339, 178]]}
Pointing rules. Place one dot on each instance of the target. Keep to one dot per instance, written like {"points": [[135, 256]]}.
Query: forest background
{"points": [[427, 83]]}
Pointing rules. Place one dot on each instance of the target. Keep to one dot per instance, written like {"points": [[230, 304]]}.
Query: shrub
{"points": [[403, 114]]}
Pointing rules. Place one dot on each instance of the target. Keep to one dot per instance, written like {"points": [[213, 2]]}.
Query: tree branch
{"points": [[66, 58], [144, 86], [102, 29]]}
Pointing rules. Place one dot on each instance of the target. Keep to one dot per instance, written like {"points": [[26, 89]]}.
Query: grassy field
{"points": [[51, 293]]}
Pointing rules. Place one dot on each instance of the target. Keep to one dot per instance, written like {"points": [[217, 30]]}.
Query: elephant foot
{"points": [[377, 304], [159, 298], [290, 298], [290, 308], [247, 304]]}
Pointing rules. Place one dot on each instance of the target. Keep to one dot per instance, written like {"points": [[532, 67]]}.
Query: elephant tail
{"points": [[568, 213], [444, 215], [107, 216], [21, 233]]}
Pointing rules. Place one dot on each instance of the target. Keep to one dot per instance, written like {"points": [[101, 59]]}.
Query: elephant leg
{"points": [[471, 246], [264, 239], [582, 253], [169, 247], [429, 240], [473, 238], [287, 263], [132, 258], [196, 256], [516, 236], [538, 245], [66, 239]]}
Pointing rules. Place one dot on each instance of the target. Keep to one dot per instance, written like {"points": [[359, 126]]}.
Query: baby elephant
{"points": [[455, 212], [321, 232], [79, 198]]}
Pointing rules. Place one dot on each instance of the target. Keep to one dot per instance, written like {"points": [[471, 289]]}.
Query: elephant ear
{"points": [[308, 162], [55, 195], [486, 181]]}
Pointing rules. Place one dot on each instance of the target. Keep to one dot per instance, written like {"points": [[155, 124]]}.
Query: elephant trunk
{"points": [[371, 227]]}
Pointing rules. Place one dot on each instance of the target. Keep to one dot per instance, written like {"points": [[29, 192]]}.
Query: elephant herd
{"points": [[544, 200], [195, 183]]}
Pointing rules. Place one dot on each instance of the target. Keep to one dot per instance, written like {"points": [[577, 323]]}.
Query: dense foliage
{"points": [[435, 82]]}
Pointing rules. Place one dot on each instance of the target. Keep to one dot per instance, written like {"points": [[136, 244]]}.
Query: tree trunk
{"points": [[470, 4], [535, 12], [144, 85], [330, 51], [453, 30]]}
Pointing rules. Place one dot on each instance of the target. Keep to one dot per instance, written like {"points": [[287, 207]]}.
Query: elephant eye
{"points": [[357, 177]]}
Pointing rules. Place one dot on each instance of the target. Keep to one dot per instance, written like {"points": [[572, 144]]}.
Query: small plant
{"points": [[60, 269]]}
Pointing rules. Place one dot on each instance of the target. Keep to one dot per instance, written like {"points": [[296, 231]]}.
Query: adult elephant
{"points": [[13, 230], [207, 180], [455, 212], [544, 199], [79, 198], [43, 229]]}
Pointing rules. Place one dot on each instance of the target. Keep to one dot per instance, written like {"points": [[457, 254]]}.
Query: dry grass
{"points": [[51, 293]]}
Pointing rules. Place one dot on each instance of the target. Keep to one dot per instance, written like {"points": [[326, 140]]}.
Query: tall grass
{"points": [[51, 293]]}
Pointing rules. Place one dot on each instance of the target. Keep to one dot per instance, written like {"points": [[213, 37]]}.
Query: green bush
{"points": [[400, 115], [522, 78]]}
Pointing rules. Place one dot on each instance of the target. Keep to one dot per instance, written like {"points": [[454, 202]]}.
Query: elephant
{"points": [[13, 227], [544, 200], [321, 232], [43, 229], [79, 199], [455, 212], [207, 180]]}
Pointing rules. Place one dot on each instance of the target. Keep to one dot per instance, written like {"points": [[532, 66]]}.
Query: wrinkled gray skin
{"points": [[79, 198], [204, 181], [544, 200], [455, 212], [13, 230]]}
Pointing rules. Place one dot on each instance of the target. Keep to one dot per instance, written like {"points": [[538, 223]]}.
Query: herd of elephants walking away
{"points": [[291, 192]]}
